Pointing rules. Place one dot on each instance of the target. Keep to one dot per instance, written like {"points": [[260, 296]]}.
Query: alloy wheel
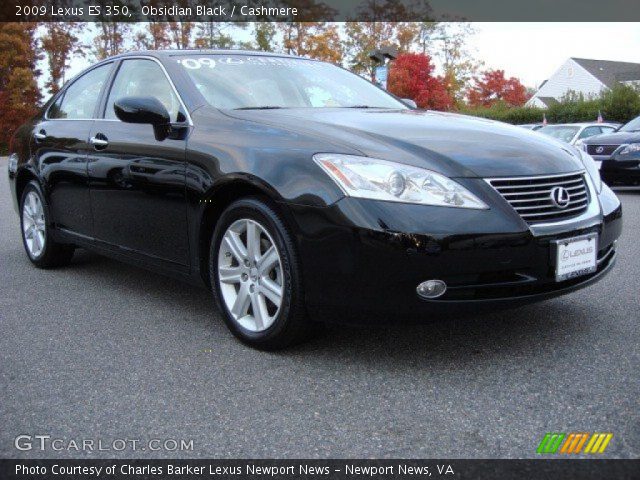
{"points": [[250, 275], [33, 224]]}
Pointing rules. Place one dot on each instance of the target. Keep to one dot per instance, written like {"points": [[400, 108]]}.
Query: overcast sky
{"points": [[532, 51]]}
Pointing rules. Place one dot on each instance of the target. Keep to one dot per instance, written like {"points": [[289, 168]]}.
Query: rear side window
{"points": [[143, 78], [79, 100]]}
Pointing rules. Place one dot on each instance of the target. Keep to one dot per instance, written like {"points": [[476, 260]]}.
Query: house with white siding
{"points": [[584, 76]]}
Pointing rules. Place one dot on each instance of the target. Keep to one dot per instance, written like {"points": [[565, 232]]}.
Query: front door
{"points": [[137, 181]]}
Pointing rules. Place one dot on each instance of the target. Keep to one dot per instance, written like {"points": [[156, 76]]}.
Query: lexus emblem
{"points": [[599, 149], [560, 197]]}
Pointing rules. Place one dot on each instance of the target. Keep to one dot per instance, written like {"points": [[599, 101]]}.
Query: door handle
{"points": [[99, 141], [41, 135]]}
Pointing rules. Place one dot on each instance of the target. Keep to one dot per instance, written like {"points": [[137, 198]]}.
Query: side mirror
{"points": [[409, 103], [141, 110]]}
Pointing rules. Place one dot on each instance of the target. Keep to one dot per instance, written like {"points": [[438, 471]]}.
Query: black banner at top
{"points": [[318, 10]]}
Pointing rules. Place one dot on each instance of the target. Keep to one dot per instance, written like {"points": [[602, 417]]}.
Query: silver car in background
{"points": [[572, 133]]}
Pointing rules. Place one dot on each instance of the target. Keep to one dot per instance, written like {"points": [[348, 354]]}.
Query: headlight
{"points": [[592, 169], [365, 177], [631, 148]]}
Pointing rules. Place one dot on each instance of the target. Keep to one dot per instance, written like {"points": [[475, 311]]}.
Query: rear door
{"points": [[60, 145], [137, 181]]}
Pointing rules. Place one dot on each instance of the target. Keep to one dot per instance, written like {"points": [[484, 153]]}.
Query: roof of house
{"points": [[548, 101], [608, 72]]}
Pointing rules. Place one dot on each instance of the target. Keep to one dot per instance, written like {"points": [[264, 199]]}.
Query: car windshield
{"points": [[561, 132], [247, 82], [632, 126]]}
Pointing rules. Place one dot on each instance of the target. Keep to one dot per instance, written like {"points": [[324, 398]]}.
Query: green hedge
{"points": [[620, 104]]}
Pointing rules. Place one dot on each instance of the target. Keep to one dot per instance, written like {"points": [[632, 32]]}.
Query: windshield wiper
{"points": [[263, 107], [361, 106]]}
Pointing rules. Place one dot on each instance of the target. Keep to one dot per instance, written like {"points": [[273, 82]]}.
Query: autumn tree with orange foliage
{"points": [[111, 39], [411, 76], [155, 37], [181, 34], [59, 43], [492, 87], [19, 94], [318, 40]]}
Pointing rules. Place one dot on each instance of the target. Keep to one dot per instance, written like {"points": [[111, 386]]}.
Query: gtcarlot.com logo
{"points": [[49, 443], [574, 443]]}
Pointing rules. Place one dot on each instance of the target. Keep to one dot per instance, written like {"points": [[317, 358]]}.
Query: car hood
{"points": [[615, 138], [455, 145]]}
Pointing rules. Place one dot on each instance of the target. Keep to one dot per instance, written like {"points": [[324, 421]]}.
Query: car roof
{"points": [[169, 52]]}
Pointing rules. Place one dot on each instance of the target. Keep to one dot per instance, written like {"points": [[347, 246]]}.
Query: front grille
{"points": [[531, 196], [606, 149]]}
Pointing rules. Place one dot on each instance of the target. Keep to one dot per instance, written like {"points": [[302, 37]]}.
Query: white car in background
{"points": [[572, 133]]}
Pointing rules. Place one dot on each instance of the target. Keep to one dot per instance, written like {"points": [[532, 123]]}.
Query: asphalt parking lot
{"points": [[101, 350]]}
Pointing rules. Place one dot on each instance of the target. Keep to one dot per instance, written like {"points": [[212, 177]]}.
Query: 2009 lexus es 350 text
{"points": [[292, 188]]}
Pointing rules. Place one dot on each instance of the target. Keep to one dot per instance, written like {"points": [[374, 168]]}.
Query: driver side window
{"points": [[143, 78]]}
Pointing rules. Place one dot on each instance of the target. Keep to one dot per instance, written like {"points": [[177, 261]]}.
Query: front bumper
{"points": [[367, 255]]}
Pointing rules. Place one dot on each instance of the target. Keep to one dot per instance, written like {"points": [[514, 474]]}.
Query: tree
{"points": [[264, 34], [111, 39], [381, 24], [492, 87], [325, 44], [19, 94], [364, 37], [113, 31], [319, 40], [181, 34], [155, 36], [448, 41], [426, 32], [215, 35], [406, 35], [411, 76], [59, 43]]}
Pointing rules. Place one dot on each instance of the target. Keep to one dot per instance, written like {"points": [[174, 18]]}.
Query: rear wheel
{"points": [[256, 276], [41, 249]]}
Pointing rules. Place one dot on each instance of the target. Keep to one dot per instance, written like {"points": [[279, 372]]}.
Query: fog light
{"points": [[13, 163], [432, 289]]}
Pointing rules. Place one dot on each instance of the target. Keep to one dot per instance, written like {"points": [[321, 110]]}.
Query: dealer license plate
{"points": [[576, 256]]}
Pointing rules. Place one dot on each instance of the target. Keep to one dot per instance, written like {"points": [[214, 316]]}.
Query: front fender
{"points": [[222, 147]]}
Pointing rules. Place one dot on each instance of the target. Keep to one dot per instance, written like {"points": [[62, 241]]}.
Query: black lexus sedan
{"points": [[618, 153], [293, 188]]}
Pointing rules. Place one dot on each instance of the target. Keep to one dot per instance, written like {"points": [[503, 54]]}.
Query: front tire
{"points": [[35, 223], [256, 276]]}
